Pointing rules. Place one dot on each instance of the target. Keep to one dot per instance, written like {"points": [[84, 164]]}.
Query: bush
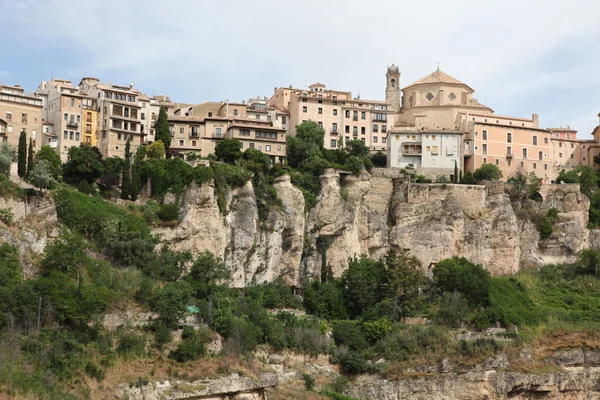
{"points": [[545, 228], [6, 216], [193, 346], [349, 333], [487, 172], [309, 382], [510, 303], [406, 341], [162, 335], [461, 275], [325, 300], [354, 362], [453, 310], [131, 344], [379, 159], [168, 212], [229, 150]]}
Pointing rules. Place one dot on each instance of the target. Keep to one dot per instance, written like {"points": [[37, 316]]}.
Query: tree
{"points": [[363, 282], [307, 143], [41, 175], [84, 163], [256, 161], [171, 301], [229, 150], [136, 172], [464, 277], [22, 155], [47, 154], [524, 186], [455, 180], [7, 155], [30, 157], [113, 167], [357, 148], [67, 255], [126, 181], [11, 272], [488, 172], [325, 300], [156, 150], [162, 129], [207, 273], [379, 159]]}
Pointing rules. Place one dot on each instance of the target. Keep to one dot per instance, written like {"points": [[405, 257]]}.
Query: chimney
{"points": [[535, 120], [17, 86], [598, 118]]}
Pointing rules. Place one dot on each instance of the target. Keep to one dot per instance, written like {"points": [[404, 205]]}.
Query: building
{"points": [[341, 116], [20, 111], [119, 116]]}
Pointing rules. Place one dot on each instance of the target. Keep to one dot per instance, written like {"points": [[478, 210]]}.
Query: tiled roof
{"points": [[437, 77]]}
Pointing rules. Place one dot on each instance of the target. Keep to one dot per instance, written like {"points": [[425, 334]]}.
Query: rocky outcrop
{"points": [[372, 214], [232, 387]]}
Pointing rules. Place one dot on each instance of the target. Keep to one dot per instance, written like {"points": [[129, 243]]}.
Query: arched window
{"points": [[410, 101], [393, 83]]}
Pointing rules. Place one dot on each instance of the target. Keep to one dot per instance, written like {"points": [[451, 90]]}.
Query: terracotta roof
{"points": [[184, 118], [492, 116], [561, 130], [437, 77]]}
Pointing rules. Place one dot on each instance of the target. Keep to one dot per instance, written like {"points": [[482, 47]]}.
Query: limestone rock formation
{"points": [[372, 214]]}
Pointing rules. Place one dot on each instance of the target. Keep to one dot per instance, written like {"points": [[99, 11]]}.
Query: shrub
{"points": [[229, 150], [193, 346], [85, 187], [325, 300], [487, 172], [375, 330], [131, 344], [354, 362], [379, 159], [453, 310], [545, 228], [168, 212], [162, 335], [6, 216], [511, 304], [349, 333], [309, 382], [461, 275], [406, 341]]}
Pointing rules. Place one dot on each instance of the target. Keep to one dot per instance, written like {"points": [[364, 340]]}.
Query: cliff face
{"points": [[372, 214]]}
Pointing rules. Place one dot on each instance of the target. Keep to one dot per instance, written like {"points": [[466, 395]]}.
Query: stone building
{"points": [[20, 111], [341, 116]]}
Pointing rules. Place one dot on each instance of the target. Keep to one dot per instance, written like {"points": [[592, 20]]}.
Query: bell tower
{"points": [[392, 87]]}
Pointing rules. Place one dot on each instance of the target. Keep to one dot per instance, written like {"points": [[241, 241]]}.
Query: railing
{"points": [[509, 155], [217, 134], [354, 118], [74, 124], [334, 131], [412, 152], [379, 119]]}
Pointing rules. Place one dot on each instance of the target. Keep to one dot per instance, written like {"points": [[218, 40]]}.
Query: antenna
{"points": [[438, 66]]}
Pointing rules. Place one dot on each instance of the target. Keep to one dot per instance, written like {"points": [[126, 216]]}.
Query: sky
{"points": [[520, 57]]}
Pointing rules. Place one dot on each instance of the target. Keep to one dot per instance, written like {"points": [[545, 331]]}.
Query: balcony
{"points": [[412, 149], [354, 118], [509, 154], [53, 145], [379, 119], [334, 131], [73, 124], [194, 134], [218, 135]]}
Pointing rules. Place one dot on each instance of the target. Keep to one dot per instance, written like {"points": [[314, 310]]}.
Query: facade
{"points": [[20, 111], [342, 117], [119, 116]]}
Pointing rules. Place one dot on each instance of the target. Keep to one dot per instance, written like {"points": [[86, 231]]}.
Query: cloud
{"points": [[197, 51]]}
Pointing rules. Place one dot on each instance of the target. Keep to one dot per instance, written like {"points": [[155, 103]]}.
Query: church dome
{"points": [[393, 69]]}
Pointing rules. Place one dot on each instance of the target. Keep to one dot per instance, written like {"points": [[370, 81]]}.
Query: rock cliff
{"points": [[372, 214]]}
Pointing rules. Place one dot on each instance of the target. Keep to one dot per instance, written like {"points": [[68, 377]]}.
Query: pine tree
{"points": [[126, 183], [161, 128], [22, 155], [30, 157]]}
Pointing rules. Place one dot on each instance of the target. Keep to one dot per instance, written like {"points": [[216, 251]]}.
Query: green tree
{"points": [[524, 186], [464, 277], [22, 155], [357, 148], [455, 179], [487, 172], [30, 157], [468, 178], [156, 150], [402, 289], [379, 159], [171, 302], [136, 172], [325, 300], [113, 168], [256, 161], [10, 267], [66, 255], [229, 150], [7, 155], [207, 273], [363, 284], [84, 163], [126, 180], [47, 154], [41, 175], [162, 129], [307, 143]]}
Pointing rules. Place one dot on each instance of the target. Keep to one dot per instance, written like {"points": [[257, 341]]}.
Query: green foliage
{"points": [[510, 303], [309, 382], [113, 168], [379, 159], [354, 362], [375, 330], [131, 344], [206, 273], [126, 177], [487, 172], [7, 155], [40, 175], [552, 214], [226, 177], [404, 342], [171, 301], [524, 186], [173, 175], [349, 334], [6, 216], [354, 164], [168, 212], [136, 172], [545, 228], [22, 155], [48, 154], [307, 143], [161, 128], [167, 265], [273, 295], [229, 150], [462, 276], [325, 300], [83, 163], [357, 148], [156, 150], [10, 267], [468, 178], [453, 311], [192, 346], [30, 156]]}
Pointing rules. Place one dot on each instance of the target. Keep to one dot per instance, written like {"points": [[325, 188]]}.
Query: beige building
{"points": [[342, 117], [20, 111], [119, 116]]}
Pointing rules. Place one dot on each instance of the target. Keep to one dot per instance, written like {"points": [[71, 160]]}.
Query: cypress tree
{"points": [[161, 128], [22, 155], [30, 157], [126, 184], [136, 171], [455, 172]]}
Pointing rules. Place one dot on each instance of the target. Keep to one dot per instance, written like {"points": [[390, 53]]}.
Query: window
{"points": [[181, 142], [427, 148], [355, 116], [333, 143], [572, 146], [384, 140], [524, 153], [363, 115], [71, 135], [269, 118], [8, 116], [334, 127], [143, 116], [376, 128], [535, 140], [65, 135], [484, 134], [429, 96], [534, 165], [545, 166], [509, 151], [375, 139], [432, 137], [72, 102], [251, 145], [181, 129], [320, 110], [540, 155], [496, 161], [304, 109], [304, 100], [484, 160], [347, 113], [218, 132], [568, 136], [355, 130], [508, 137], [559, 144], [335, 111], [244, 132], [193, 143], [508, 162], [66, 116], [347, 129], [283, 120], [257, 116], [268, 147], [546, 140], [434, 150], [522, 164], [363, 130], [77, 136], [559, 155], [347, 139], [210, 114], [383, 128], [484, 148], [235, 111], [320, 124]]}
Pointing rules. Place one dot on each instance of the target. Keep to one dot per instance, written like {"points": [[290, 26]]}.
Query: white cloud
{"points": [[214, 50]]}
